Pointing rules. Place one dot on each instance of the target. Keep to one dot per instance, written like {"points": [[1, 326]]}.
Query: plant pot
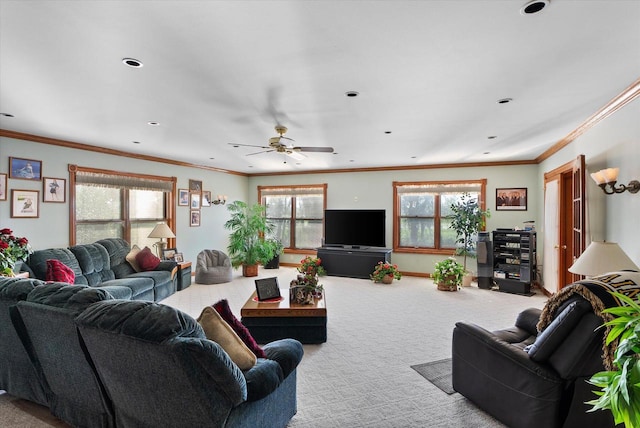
{"points": [[466, 280], [250, 270], [301, 295], [387, 279], [448, 284], [274, 263]]}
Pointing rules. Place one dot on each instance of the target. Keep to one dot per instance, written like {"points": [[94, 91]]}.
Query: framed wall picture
{"points": [[194, 201], [25, 169], [178, 258], [169, 253], [3, 187], [206, 198], [183, 197], [195, 186], [54, 189], [25, 203], [267, 288], [511, 199], [195, 218]]}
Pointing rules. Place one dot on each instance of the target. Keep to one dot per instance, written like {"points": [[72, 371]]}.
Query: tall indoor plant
{"points": [[247, 246], [468, 218]]}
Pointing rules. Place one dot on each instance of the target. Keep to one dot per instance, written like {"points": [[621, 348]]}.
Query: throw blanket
{"points": [[597, 291]]}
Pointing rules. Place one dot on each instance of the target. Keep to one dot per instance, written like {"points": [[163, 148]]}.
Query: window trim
{"points": [[396, 213], [169, 198], [290, 190]]}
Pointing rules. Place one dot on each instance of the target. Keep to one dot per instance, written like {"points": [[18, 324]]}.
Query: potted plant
{"points": [[13, 251], [305, 287], [467, 220], [448, 274], [620, 388], [247, 246], [385, 272], [278, 248]]}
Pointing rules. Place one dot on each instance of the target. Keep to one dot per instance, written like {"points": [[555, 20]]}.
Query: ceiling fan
{"points": [[276, 145]]}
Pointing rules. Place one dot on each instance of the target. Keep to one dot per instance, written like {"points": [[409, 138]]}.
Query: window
{"points": [[113, 204], [422, 214], [297, 213]]}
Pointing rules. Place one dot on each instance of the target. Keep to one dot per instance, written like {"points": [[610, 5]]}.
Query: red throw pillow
{"points": [[147, 260], [222, 307], [59, 272]]}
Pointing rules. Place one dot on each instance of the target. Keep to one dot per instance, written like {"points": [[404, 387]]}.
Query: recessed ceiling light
{"points": [[533, 6], [486, 153], [387, 132], [6, 114], [351, 160], [505, 100], [212, 158], [132, 62], [136, 142], [414, 157], [335, 153], [154, 123], [492, 137], [352, 93], [235, 146]]}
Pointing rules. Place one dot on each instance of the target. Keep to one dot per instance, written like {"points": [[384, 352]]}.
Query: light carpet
{"points": [[361, 377]]}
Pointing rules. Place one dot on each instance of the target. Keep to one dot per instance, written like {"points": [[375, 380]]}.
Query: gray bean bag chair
{"points": [[213, 267]]}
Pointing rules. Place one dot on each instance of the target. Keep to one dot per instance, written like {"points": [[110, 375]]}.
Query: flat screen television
{"points": [[355, 228]]}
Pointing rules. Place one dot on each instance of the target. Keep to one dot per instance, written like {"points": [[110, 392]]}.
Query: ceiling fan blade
{"points": [[257, 153], [248, 145], [314, 149], [287, 138]]}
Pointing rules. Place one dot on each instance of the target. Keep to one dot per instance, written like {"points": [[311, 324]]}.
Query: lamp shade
{"points": [[161, 231], [602, 257]]}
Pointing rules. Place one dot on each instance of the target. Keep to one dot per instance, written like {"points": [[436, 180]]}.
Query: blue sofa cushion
{"points": [[262, 379], [286, 352], [74, 298], [94, 262], [37, 262]]}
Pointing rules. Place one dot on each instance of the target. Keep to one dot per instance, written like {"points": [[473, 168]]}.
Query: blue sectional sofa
{"points": [[103, 264]]}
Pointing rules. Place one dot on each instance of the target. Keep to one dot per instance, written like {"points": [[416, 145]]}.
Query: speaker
{"points": [[484, 254]]}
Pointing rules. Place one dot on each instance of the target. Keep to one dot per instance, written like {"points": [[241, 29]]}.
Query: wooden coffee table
{"points": [[269, 321]]}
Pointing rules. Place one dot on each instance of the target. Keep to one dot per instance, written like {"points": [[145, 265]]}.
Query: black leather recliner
{"points": [[529, 379]]}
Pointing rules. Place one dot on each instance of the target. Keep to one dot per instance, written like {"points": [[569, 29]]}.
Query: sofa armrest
{"points": [[168, 265], [286, 352]]}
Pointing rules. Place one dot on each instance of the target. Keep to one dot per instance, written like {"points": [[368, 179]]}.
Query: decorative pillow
{"points": [[131, 258], [59, 272], [225, 312], [147, 260], [219, 331]]}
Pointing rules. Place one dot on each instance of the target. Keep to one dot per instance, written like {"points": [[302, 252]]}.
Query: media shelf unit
{"points": [[514, 260], [352, 262]]}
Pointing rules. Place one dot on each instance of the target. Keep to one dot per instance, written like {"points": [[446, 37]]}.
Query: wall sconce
{"points": [[222, 199], [607, 178]]}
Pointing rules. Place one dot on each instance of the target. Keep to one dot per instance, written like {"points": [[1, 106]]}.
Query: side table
{"points": [[184, 275]]}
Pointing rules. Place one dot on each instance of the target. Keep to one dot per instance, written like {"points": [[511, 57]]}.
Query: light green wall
{"points": [[51, 229], [374, 190], [612, 142]]}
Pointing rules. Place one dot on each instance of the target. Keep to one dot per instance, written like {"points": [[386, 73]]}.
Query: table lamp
{"points": [[161, 231], [602, 257]]}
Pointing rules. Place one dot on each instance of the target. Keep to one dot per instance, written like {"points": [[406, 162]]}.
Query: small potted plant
{"points": [[278, 248], [305, 287], [13, 251], [448, 274], [385, 272]]}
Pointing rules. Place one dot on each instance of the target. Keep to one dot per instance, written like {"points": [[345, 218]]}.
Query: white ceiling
{"points": [[220, 72]]}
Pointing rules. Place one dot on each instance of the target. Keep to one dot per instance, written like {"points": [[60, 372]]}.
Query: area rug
{"points": [[438, 373]]}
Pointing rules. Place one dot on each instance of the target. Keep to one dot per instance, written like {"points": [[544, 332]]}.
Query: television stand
{"points": [[352, 262]]}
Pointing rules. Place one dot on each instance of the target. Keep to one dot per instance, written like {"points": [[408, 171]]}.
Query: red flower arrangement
{"points": [[12, 249], [383, 269]]}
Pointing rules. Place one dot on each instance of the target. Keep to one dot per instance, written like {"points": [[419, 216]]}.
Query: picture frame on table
{"points": [[267, 288], [511, 199], [194, 218], [25, 203], [169, 253], [3, 187], [25, 169], [183, 197], [54, 190], [178, 258]]}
